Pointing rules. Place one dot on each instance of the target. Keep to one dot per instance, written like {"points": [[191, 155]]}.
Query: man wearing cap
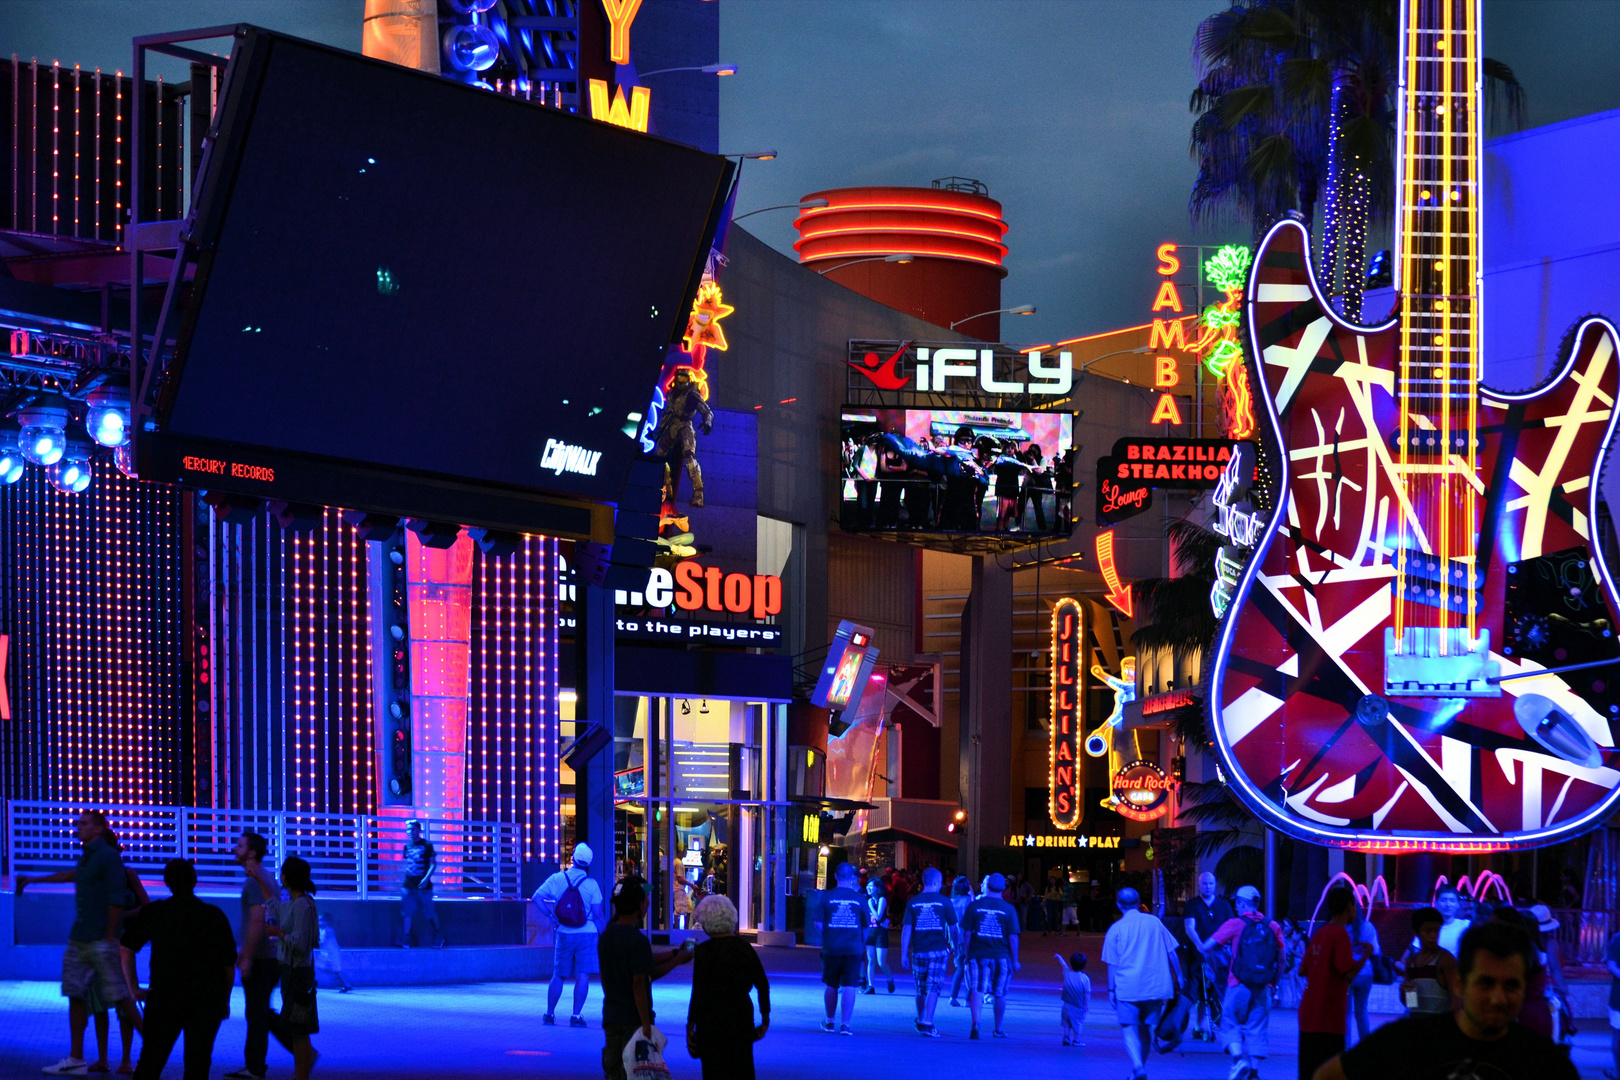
{"points": [[572, 901], [1252, 971], [1143, 973]]}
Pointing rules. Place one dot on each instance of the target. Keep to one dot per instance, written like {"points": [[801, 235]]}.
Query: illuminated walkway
{"points": [[495, 1030]]}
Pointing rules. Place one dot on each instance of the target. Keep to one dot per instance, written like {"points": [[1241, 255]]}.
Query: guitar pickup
{"points": [[1420, 583], [1419, 669], [1429, 443]]}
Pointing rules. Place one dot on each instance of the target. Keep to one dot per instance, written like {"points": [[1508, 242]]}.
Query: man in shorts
{"points": [[927, 934], [91, 964], [1143, 973], [843, 936], [416, 894], [562, 898], [991, 926]]}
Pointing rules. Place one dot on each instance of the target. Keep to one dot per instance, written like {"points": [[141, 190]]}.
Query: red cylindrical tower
{"points": [[954, 236]]}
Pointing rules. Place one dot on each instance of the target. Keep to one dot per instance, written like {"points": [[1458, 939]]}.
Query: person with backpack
{"points": [[1256, 963], [573, 903]]}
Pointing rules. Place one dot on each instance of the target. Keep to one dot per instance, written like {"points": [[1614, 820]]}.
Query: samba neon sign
{"points": [[1166, 370], [1063, 798]]}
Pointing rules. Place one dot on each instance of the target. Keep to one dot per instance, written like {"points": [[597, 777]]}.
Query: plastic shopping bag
{"points": [[644, 1057]]}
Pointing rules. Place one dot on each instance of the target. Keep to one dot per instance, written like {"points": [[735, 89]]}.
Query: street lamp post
{"points": [[807, 204], [1021, 309], [707, 69], [870, 258]]}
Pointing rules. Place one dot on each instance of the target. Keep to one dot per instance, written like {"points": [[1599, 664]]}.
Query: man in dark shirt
{"points": [[628, 966], [91, 961], [256, 959], [1480, 1040], [843, 937], [193, 969], [1205, 967], [416, 894], [991, 926], [927, 933]]}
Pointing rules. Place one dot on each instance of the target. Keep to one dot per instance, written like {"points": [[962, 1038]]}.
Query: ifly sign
{"points": [[949, 369]]}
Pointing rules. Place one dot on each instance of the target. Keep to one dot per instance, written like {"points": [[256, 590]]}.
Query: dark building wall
{"points": [[680, 33]]}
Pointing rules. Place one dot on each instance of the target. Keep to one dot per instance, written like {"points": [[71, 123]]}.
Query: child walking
{"points": [[1076, 997], [329, 954]]}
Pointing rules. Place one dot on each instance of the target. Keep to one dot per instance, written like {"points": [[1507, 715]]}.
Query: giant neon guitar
{"points": [[1429, 542]]}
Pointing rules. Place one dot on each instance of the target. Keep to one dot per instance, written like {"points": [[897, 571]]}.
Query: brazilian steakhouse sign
{"points": [[1126, 478]]}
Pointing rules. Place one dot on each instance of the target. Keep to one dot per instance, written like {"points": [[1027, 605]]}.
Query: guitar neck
{"points": [[1439, 193]]}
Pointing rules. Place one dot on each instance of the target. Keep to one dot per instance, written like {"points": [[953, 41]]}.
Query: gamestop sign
{"points": [[694, 587]]}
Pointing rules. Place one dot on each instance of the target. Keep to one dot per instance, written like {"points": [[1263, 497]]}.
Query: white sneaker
{"points": [[68, 1066]]}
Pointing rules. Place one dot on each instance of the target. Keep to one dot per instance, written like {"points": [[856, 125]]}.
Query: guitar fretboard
{"points": [[1439, 265]]}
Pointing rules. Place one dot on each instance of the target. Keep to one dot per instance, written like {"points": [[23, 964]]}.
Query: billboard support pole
{"points": [[593, 726], [986, 718]]}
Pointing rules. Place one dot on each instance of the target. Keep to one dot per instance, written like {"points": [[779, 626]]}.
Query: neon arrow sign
{"points": [[1118, 595]]}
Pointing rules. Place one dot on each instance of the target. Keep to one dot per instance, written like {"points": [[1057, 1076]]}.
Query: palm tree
{"points": [[1295, 106]]}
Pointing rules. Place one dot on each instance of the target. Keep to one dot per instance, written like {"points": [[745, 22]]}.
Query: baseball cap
{"points": [[583, 854], [1249, 893]]}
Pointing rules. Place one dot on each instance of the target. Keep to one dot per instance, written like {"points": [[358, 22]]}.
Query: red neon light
{"points": [[935, 253], [1119, 595], [940, 206], [900, 230], [1063, 798], [1175, 699]]}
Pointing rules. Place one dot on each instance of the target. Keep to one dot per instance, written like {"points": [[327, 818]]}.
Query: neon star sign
{"points": [[704, 328]]}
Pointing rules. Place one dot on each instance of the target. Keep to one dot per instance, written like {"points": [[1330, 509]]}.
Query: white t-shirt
{"points": [[1137, 951], [547, 895]]}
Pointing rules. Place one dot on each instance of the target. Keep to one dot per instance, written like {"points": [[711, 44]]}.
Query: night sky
{"points": [[1073, 113]]}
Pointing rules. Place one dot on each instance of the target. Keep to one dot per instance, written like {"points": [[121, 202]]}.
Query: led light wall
{"points": [[291, 678], [96, 669]]}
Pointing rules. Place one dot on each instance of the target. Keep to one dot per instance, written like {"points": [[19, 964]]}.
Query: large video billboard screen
{"points": [[407, 278], [957, 471]]}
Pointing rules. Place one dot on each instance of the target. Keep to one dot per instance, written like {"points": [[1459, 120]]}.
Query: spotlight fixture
{"points": [[107, 419], [434, 534], [372, 527], [44, 429], [471, 48], [11, 458], [494, 543], [124, 458], [234, 509], [70, 473]]}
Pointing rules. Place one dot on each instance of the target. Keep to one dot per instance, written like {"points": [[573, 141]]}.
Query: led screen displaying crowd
{"points": [[957, 471]]}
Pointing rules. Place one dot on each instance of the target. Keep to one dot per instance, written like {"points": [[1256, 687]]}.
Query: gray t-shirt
{"points": [[253, 896]]}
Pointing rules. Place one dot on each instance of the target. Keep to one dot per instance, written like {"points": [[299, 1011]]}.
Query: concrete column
{"points": [[985, 764], [593, 682]]}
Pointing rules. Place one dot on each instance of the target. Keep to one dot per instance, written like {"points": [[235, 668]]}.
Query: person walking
{"points": [[1143, 974], [296, 930], [1331, 961], [1256, 961], [990, 925], [92, 970], [927, 934], [720, 1029], [1053, 901], [416, 891], [628, 967], [1427, 971], [1362, 932], [573, 903], [1480, 1038], [329, 955], [843, 934], [134, 899], [1076, 997], [961, 897], [255, 957], [1203, 915], [193, 970], [877, 935], [1611, 961]]}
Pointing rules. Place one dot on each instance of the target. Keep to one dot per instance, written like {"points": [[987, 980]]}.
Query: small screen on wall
{"points": [[957, 471]]}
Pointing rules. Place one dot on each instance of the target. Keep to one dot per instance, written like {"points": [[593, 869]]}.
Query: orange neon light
{"points": [[932, 207], [620, 14], [1099, 336], [632, 116], [898, 230], [1166, 372], [1168, 334], [1168, 263], [704, 329], [1118, 594], [1166, 411], [1167, 298], [936, 253]]}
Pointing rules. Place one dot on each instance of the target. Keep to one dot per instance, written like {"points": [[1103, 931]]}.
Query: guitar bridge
{"points": [[1419, 669]]}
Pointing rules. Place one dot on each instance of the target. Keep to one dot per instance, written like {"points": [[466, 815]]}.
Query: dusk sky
{"points": [[1073, 112]]}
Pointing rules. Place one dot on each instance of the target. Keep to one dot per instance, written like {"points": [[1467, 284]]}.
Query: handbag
{"points": [[644, 1057]]}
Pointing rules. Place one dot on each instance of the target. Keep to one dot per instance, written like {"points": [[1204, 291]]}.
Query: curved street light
{"points": [[707, 69], [1021, 309], [807, 204], [1140, 350], [870, 258]]}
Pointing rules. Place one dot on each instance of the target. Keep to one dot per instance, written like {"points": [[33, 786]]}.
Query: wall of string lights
{"points": [[286, 657], [97, 678]]}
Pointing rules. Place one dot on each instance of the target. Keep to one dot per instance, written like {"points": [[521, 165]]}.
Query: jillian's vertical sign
{"points": [[1064, 787]]}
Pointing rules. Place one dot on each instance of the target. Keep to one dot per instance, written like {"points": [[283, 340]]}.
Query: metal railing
{"points": [[347, 853]]}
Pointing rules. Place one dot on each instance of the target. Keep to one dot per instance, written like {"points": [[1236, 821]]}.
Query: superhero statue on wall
{"points": [[676, 441]]}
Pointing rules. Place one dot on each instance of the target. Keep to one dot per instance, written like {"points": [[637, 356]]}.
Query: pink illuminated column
{"points": [[439, 586]]}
